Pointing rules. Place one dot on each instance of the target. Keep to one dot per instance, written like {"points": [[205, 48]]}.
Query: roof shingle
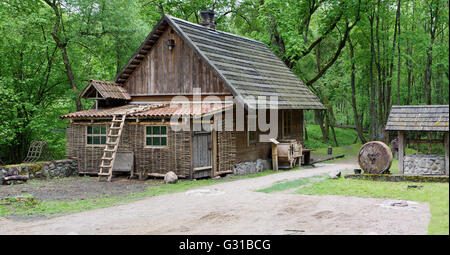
{"points": [[418, 118], [108, 90], [159, 110]]}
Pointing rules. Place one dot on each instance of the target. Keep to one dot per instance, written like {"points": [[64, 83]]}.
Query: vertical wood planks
{"points": [[164, 72]]}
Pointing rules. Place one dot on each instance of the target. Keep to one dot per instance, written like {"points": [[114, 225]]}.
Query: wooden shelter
{"points": [[132, 113], [419, 118]]}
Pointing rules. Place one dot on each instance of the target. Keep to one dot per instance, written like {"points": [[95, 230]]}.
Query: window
{"points": [[155, 136], [96, 135], [287, 123]]}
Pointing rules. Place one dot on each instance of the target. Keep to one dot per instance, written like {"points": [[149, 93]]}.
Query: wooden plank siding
{"points": [[176, 72]]}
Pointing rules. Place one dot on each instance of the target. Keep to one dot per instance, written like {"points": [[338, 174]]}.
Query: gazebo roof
{"points": [[418, 118]]}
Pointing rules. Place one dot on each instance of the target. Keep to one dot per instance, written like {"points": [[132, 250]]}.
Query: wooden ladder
{"points": [[112, 144]]}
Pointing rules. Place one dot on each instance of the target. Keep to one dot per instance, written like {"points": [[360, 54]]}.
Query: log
{"points": [[16, 178], [375, 157]]}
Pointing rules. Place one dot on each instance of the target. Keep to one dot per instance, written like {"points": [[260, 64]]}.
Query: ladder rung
{"points": [[110, 150], [114, 135], [111, 143], [114, 127], [103, 174], [106, 158]]}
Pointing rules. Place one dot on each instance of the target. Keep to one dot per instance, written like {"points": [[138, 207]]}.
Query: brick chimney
{"points": [[208, 19]]}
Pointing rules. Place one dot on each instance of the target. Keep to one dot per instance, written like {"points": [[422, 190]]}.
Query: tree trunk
{"points": [[399, 56], [372, 105], [352, 84], [318, 116], [62, 45]]}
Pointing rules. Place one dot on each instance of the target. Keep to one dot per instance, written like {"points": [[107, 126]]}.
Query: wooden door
{"points": [[202, 148]]}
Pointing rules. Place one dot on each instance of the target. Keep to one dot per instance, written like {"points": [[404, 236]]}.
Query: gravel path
{"points": [[234, 208]]}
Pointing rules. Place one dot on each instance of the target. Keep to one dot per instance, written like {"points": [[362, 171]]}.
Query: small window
{"points": [[155, 136], [96, 135], [252, 137]]}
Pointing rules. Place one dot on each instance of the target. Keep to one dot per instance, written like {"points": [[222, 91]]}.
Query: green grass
{"points": [[285, 185], [344, 136], [436, 194]]}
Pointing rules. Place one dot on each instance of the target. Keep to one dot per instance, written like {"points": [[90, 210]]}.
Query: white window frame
{"points": [[92, 135], [156, 146]]}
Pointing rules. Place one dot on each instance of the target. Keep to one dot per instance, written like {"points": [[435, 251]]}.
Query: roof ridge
{"points": [[220, 31]]}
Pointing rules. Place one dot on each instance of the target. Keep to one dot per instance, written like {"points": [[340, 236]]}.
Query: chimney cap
{"points": [[207, 17]]}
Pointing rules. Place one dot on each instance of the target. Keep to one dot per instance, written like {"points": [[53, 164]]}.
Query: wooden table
{"points": [[307, 156]]}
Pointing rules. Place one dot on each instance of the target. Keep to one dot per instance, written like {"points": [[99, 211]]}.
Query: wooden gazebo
{"points": [[419, 118]]}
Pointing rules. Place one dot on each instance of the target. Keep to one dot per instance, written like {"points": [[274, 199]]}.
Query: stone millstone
{"points": [[375, 157]]}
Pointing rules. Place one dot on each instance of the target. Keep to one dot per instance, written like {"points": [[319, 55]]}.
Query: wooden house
{"points": [[176, 58]]}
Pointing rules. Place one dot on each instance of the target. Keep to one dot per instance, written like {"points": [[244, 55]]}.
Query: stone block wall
{"points": [[424, 164], [45, 169], [257, 166]]}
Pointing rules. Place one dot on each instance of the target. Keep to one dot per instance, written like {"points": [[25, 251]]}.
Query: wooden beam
{"points": [[425, 141], [446, 152], [214, 151], [140, 56], [401, 151], [274, 157]]}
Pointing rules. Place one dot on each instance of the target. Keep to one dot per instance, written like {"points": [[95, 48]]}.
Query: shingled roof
{"points": [[418, 118], [106, 89], [155, 110], [246, 66]]}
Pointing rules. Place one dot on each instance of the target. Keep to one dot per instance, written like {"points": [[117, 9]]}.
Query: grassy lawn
{"points": [[436, 194], [344, 136], [26, 205], [286, 185]]}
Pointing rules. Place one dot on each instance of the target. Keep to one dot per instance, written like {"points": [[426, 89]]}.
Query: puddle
{"points": [[399, 204], [204, 192]]}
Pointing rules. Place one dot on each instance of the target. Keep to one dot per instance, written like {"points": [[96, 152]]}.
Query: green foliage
{"points": [[101, 35], [436, 194]]}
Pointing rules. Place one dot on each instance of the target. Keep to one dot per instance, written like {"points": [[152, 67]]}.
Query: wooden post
{"points": [[191, 142], [401, 151], [446, 152], [274, 154], [214, 151]]}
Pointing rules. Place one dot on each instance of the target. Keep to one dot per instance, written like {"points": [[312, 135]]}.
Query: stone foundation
{"points": [[45, 169], [257, 166], [424, 164]]}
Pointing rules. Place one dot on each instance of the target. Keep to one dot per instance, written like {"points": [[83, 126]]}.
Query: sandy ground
{"points": [[234, 208]]}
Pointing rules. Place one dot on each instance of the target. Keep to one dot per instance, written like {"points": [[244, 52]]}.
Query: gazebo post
{"points": [[401, 150], [446, 152]]}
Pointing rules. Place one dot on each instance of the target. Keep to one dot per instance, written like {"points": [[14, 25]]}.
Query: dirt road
{"points": [[234, 208]]}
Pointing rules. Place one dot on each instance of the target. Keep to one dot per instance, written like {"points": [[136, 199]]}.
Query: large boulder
{"points": [[170, 177]]}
